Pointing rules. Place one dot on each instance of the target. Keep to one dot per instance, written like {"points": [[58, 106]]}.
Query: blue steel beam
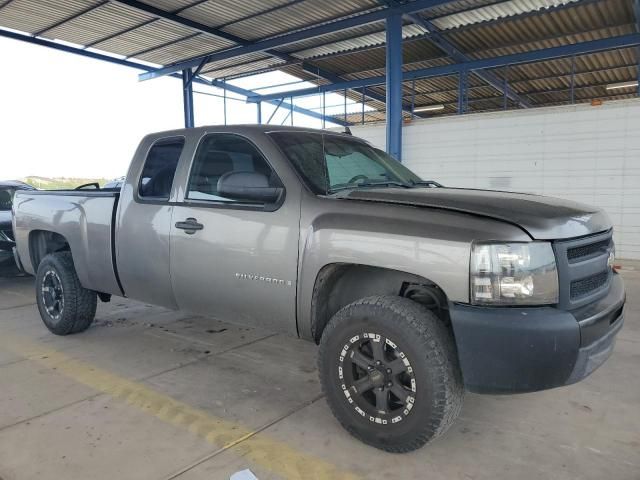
{"points": [[394, 86], [140, 66], [485, 23], [436, 37], [463, 91], [249, 93], [217, 32], [187, 98], [261, 12], [292, 37], [556, 76], [142, 24], [199, 27], [274, 111], [418, 37], [333, 78], [163, 45], [622, 41]]}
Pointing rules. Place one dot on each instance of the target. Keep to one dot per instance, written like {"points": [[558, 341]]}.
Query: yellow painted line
{"points": [[261, 450]]}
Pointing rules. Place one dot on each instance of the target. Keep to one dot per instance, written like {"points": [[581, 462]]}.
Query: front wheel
{"points": [[390, 372], [65, 305]]}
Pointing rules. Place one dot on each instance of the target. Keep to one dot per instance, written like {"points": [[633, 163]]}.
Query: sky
{"points": [[64, 115]]}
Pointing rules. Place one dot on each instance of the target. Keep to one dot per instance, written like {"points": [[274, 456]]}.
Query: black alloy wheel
{"points": [[52, 295], [377, 378]]}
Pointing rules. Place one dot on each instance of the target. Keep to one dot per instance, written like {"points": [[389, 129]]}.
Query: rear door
{"points": [[144, 224], [241, 266]]}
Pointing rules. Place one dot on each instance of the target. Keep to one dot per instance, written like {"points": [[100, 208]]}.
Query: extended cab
{"points": [[415, 292]]}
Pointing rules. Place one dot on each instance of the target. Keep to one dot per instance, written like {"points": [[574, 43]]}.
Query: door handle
{"points": [[190, 226]]}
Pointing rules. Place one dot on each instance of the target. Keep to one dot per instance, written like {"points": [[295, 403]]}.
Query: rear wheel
{"points": [[65, 305], [390, 372]]}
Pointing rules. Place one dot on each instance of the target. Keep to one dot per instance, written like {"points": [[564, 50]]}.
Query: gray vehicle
{"points": [[414, 292]]}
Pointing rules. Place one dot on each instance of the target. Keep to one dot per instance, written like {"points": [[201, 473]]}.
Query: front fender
{"points": [[428, 243]]}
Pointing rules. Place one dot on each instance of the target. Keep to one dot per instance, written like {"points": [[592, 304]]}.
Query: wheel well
{"points": [[42, 243], [340, 284]]}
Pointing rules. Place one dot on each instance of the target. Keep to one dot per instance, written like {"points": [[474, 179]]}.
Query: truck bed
{"points": [[85, 218]]}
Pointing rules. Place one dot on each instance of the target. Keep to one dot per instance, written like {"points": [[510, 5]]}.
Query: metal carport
{"points": [[400, 59]]}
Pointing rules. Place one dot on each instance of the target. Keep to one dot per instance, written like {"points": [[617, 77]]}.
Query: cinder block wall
{"points": [[583, 153]]}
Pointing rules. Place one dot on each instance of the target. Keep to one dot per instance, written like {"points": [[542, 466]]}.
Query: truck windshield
{"points": [[329, 162]]}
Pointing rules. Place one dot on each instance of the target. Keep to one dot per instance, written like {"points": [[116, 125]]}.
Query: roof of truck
{"points": [[249, 128]]}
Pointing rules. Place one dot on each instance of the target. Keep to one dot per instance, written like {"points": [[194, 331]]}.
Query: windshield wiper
{"points": [[382, 183], [425, 183], [393, 183]]}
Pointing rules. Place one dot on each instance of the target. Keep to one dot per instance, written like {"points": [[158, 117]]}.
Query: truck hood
{"points": [[543, 218]]}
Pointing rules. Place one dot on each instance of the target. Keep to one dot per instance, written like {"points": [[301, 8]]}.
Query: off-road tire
{"points": [[79, 304], [429, 347]]}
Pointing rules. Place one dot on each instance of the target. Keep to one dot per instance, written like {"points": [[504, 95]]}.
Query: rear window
{"points": [[160, 168]]}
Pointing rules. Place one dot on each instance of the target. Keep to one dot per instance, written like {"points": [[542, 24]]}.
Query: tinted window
{"points": [[331, 162], [160, 168], [224, 153]]}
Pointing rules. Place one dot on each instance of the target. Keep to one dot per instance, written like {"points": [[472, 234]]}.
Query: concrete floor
{"points": [[151, 394]]}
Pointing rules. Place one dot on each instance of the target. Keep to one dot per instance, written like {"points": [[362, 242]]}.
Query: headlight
{"points": [[513, 274]]}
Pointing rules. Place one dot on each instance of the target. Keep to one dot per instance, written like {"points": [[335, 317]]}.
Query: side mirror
{"points": [[249, 186]]}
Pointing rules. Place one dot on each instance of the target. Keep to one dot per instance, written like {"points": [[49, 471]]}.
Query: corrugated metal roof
{"points": [[479, 28], [297, 16], [494, 11], [105, 20]]}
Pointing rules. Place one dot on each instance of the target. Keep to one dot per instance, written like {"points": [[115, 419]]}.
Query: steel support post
{"points": [[463, 91], [259, 112], [394, 85], [187, 97], [224, 100], [413, 97], [505, 88], [573, 80], [324, 110]]}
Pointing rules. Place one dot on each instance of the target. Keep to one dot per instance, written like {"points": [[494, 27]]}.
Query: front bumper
{"points": [[516, 350]]}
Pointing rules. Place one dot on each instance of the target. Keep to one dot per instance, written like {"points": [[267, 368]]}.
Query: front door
{"points": [[239, 261]]}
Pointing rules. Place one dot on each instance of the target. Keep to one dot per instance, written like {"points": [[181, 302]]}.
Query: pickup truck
{"points": [[415, 292]]}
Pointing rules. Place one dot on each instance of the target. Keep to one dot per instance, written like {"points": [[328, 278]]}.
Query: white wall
{"points": [[583, 153]]}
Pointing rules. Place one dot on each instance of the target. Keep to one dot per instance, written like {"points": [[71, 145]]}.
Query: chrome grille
{"points": [[583, 272]]}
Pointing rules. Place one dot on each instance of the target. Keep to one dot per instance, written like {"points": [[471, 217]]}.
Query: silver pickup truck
{"points": [[414, 292]]}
